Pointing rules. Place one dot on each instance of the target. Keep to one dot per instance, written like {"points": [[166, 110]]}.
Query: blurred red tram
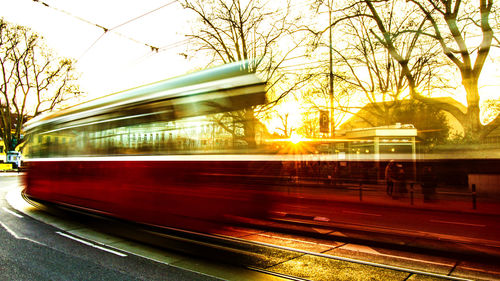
{"points": [[164, 154], [161, 154]]}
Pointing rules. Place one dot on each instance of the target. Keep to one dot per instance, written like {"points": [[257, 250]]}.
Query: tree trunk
{"points": [[471, 123], [249, 127]]}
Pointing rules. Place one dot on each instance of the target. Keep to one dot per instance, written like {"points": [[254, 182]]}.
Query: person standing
{"points": [[400, 181], [389, 177], [429, 183]]}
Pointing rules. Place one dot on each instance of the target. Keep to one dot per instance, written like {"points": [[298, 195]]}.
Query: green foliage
{"points": [[428, 120]]}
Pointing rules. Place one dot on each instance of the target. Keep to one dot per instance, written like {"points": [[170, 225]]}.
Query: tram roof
{"points": [[225, 88]]}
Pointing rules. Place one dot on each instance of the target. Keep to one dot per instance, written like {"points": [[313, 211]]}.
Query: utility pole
{"points": [[332, 120]]}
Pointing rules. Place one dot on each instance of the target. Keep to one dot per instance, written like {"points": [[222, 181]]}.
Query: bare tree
{"points": [[317, 97], [375, 74], [286, 128], [32, 80], [491, 109], [361, 66], [310, 125], [453, 24], [231, 31]]}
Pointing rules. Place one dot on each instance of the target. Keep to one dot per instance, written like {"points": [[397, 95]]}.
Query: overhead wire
{"points": [[107, 30], [145, 14], [187, 40]]}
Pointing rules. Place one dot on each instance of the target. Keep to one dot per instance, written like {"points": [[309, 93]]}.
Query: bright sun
{"points": [[295, 139]]}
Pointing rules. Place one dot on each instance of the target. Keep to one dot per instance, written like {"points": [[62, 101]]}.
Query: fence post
{"points": [[411, 193], [474, 196]]}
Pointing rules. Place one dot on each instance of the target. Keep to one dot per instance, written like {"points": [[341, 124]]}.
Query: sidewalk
{"points": [[448, 203], [445, 198]]}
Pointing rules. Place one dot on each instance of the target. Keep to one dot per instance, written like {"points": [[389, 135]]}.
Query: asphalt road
{"points": [[32, 250]]}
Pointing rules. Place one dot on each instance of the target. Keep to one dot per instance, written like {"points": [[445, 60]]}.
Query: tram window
{"points": [[201, 134]]}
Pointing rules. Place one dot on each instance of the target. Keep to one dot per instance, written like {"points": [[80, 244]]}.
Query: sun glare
{"points": [[295, 139]]}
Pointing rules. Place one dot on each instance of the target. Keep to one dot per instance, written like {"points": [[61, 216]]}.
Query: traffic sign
{"points": [[324, 121]]}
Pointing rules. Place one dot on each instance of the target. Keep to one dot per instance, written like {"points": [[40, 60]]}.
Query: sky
{"points": [[111, 62], [121, 58]]}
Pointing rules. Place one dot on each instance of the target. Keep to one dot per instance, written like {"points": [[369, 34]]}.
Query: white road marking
{"points": [[91, 244], [361, 213], [11, 232], [459, 223], [12, 213]]}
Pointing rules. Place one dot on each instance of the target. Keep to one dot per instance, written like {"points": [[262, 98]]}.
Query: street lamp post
{"points": [[332, 120]]}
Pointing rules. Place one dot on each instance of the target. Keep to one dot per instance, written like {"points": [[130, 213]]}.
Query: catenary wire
{"points": [[105, 29]]}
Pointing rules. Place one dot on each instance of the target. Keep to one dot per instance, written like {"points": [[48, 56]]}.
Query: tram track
{"points": [[379, 236], [274, 260], [281, 275], [282, 261]]}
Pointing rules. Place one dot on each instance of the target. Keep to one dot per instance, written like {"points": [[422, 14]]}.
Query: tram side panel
{"points": [[165, 193]]}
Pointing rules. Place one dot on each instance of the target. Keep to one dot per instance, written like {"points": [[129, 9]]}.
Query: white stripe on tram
{"points": [[204, 157]]}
